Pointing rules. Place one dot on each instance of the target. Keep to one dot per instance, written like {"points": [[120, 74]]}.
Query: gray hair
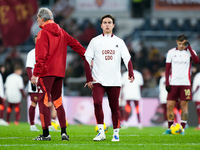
{"points": [[45, 13]]}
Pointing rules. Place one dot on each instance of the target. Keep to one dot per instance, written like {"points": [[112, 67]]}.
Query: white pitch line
{"points": [[28, 145]]}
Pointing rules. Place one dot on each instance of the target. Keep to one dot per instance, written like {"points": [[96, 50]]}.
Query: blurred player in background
{"points": [[196, 96], [163, 93], [30, 62], [14, 91], [51, 52], [132, 93], [2, 103], [107, 50], [179, 61]]}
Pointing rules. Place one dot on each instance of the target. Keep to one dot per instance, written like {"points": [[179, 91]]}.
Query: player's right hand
{"points": [[168, 88]]}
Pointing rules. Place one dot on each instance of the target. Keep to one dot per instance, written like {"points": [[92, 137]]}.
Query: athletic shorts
{"points": [[34, 97], [180, 92]]}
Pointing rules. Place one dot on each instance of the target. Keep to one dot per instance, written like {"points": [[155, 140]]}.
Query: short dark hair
{"points": [[108, 16], [181, 37], [18, 67]]}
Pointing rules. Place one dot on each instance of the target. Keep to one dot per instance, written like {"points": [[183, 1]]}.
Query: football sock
{"points": [[116, 131], [45, 132], [137, 111], [9, 110], [31, 114], [17, 115], [198, 110], [63, 130], [183, 123], [101, 129], [170, 122]]}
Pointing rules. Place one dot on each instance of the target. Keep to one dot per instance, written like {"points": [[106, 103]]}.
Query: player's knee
{"points": [[170, 107], [2, 107], [9, 110], [33, 104], [16, 109]]}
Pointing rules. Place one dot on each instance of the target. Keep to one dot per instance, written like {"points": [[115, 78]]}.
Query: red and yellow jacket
{"points": [[51, 50]]}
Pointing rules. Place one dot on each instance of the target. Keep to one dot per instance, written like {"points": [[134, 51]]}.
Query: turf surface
{"points": [[20, 137]]}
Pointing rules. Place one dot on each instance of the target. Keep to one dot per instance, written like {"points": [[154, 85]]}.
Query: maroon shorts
{"points": [[180, 92], [34, 97]]}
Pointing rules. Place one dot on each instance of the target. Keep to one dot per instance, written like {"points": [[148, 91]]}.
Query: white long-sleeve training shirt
{"points": [[180, 65], [107, 51]]}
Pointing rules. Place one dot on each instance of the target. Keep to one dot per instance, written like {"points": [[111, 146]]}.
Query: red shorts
{"points": [[180, 92], [34, 97]]}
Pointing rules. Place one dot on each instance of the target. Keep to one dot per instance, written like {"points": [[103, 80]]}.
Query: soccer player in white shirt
{"points": [[132, 92], [179, 61], [163, 93], [196, 96], [107, 50], [14, 91], [30, 62]]}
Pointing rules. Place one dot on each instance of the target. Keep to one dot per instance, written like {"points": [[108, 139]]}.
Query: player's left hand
{"points": [[131, 79], [34, 80]]}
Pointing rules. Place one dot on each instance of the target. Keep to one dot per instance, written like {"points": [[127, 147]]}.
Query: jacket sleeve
{"points": [[195, 58], [75, 45], [41, 51], [88, 69], [130, 69], [167, 71], [29, 72]]}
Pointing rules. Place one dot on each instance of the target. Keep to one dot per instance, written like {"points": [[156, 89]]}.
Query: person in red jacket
{"points": [[50, 53]]}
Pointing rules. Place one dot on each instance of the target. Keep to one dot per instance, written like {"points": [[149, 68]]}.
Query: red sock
{"points": [[183, 123], [31, 115], [198, 110], [170, 123]]}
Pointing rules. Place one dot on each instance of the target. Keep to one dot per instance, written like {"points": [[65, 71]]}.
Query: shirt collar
{"points": [[107, 35], [47, 22], [184, 49]]}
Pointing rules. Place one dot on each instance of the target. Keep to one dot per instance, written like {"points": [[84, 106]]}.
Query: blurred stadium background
{"points": [[148, 27]]}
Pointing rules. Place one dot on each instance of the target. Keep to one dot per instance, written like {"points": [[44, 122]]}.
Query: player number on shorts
{"points": [[187, 92]]}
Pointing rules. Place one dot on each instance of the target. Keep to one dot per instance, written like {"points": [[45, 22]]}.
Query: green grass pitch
{"points": [[20, 138]]}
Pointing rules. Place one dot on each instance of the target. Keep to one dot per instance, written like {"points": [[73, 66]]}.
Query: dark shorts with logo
{"points": [[180, 92], [34, 97]]}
